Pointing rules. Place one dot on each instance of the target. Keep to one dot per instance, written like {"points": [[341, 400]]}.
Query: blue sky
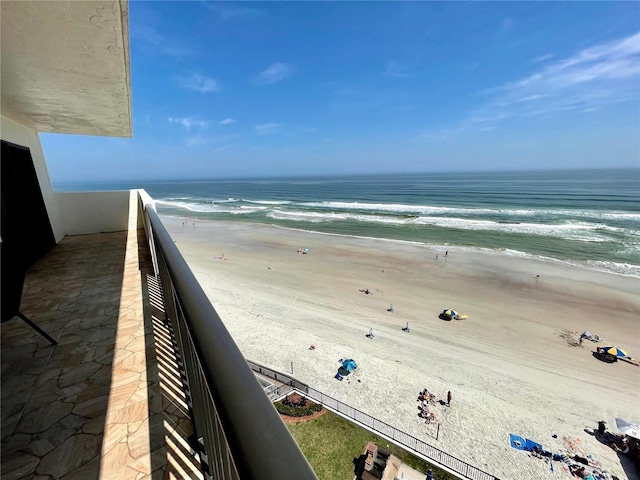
{"points": [[247, 89]]}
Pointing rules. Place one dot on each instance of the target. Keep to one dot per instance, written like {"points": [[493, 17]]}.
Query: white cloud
{"points": [[188, 122], [275, 72], [591, 79], [267, 128], [226, 121], [200, 83]]}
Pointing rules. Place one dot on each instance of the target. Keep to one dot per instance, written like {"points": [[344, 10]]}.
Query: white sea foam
{"points": [[402, 208], [253, 208], [227, 200], [433, 210], [267, 202], [586, 232], [191, 206], [629, 216], [208, 207], [580, 231], [317, 217]]}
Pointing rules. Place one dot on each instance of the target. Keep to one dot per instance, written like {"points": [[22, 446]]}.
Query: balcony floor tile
{"points": [[95, 405]]}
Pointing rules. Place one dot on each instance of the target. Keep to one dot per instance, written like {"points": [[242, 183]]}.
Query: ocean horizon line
{"points": [[352, 175]]}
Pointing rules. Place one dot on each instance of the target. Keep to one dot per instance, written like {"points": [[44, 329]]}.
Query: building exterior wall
{"points": [[94, 212], [18, 134]]}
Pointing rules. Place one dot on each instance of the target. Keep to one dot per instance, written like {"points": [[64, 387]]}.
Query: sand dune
{"points": [[510, 366]]}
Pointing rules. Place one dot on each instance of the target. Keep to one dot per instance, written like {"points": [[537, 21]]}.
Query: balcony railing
{"points": [[239, 432]]}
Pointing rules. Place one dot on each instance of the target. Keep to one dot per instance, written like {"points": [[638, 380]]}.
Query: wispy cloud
{"points": [[194, 140], [593, 78], [189, 122], [542, 58], [152, 42], [267, 128], [507, 24], [275, 73], [227, 11], [396, 69], [177, 51], [199, 83], [219, 149], [226, 121], [144, 123]]}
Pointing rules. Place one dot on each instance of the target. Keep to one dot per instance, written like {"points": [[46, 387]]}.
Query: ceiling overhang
{"points": [[65, 66]]}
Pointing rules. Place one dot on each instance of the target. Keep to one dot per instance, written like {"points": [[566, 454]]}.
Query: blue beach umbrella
{"points": [[450, 312], [618, 352], [349, 364]]}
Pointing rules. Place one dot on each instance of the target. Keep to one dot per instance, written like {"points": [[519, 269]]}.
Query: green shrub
{"points": [[308, 409]]}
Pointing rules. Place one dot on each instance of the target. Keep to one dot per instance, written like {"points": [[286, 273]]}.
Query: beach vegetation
{"points": [[330, 443], [297, 406]]}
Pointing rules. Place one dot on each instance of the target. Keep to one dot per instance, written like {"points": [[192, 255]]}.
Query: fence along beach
{"points": [[510, 366]]}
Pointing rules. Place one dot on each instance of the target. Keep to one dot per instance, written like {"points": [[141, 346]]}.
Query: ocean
{"points": [[580, 217]]}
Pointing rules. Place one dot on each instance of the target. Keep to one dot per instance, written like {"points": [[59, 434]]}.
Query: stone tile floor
{"points": [[107, 401]]}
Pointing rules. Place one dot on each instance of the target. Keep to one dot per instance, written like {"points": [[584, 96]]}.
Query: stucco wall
{"points": [[94, 212], [13, 132]]}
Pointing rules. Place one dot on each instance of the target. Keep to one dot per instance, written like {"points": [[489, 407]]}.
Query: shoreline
{"points": [[509, 366], [594, 267]]}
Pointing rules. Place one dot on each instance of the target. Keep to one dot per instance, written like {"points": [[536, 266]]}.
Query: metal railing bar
{"points": [[258, 441]]}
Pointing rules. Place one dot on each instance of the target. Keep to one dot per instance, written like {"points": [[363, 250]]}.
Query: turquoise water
{"points": [[586, 217]]}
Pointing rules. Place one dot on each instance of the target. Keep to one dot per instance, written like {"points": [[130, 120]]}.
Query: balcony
{"points": [[130, 381]]}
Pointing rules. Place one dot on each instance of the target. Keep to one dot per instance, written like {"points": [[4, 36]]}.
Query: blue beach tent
{"points": [[349, 364]]}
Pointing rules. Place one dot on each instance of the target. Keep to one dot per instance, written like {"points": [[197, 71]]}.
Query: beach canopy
{"points": [[450, 312], [349, 364], [618, 352], [628, 428]]}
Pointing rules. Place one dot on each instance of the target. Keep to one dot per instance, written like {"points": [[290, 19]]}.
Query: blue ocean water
{"points": [[586, 217]]}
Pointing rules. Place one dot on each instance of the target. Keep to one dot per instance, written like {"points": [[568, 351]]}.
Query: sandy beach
{"points": [[510, 366]]}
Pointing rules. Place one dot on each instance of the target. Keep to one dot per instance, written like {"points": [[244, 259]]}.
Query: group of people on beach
{"points": [[427, 401], [576, 461]]}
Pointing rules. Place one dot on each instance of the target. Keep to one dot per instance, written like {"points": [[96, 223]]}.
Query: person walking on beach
{"points": [[449, 398]]}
